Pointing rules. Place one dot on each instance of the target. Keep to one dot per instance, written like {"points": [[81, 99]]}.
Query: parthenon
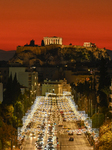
{"points": [[52, 40]]}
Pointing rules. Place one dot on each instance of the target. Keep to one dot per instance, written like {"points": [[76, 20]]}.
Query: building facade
{"points": [[56, 87], [52, 40], [89, 44], [26, 77]]}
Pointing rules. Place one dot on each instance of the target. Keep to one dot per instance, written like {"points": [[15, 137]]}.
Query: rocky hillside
{"points": [[55, 55]]}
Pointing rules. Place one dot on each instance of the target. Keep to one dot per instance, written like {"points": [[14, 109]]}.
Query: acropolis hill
{"points": [[56, 53], [38, 50]]}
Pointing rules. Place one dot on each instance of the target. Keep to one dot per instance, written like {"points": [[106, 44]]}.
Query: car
{"points": [[45, 148], [41, 134], [39, 142], [79, 132], [48, 148], [70, 133], [39, 146], [50, 140], [51, 148], [71, 139], [49, 145]]}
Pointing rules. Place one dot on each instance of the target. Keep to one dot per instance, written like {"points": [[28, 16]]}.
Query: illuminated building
{"points": [[52, 40], [26, 77], [56, 87], [89, 44]]}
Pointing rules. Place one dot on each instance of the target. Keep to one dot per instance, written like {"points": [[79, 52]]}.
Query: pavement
{"points": [[80, 142]]}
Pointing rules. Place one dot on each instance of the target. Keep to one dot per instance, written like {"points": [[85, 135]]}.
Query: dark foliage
{"points": [[104, 81], [42, 43], [12, 91]]}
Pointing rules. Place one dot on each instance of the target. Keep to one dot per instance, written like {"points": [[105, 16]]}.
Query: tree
{"points": [[97, 120], [70, 44], [7, 133], [105, 138], [19, 110], [8, 92], [8, 124], [16, 89], [83, 88], [42, 43], [106, 90], [12, 91], [26, 101], [104, 82], [10, 109]]}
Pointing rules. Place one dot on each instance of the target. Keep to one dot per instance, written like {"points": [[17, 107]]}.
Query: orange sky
{"points": [[76, 21]]}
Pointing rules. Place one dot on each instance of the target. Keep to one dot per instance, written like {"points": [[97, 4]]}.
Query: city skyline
{"points": [[75, 21]]}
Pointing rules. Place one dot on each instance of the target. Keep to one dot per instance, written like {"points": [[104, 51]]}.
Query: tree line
{"points": [[95, 103], [12, 109]]}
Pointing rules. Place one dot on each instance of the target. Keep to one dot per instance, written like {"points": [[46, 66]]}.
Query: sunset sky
{"points": [[76, 21]]}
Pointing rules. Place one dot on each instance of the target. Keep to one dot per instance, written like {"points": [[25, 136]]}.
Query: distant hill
{"points": [[57, 54], [6, 55]]}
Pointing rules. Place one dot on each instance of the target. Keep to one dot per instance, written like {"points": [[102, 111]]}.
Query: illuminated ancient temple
{"points": [[52, 40]]}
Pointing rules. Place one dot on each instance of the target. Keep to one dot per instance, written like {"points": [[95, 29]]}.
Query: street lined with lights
{"points": [[51, 125]]}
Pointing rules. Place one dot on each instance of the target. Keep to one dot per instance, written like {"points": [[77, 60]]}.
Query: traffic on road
{"points": [[52, 126]]}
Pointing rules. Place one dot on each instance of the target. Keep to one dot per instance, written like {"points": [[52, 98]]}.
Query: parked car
{"points": [[71, 139]]}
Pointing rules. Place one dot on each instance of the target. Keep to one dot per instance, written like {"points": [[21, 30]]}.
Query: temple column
{"points": [[59, 41], [45, 41], [49, 42]]}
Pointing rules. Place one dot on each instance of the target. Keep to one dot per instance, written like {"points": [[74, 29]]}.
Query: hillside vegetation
{"points": [[56, 54]]}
